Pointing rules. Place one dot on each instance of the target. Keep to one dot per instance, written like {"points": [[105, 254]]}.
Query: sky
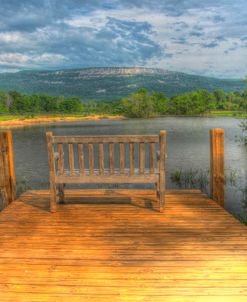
{"points": [[199, 37]]}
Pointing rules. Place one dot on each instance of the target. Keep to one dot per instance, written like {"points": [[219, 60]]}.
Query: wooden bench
{"points": [[106, 159]]}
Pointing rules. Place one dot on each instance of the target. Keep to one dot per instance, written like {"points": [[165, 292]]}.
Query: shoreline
{"points": [[19, 122], [22, 122]]}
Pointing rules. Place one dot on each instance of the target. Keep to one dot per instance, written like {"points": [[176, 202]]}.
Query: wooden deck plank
{"points": [[115, 246]]}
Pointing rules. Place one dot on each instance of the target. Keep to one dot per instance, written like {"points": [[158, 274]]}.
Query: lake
{"points": [[187, 148]]}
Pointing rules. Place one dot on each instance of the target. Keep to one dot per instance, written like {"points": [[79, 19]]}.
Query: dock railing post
{"points": [[7, 170], [217, 174], [162, 156]]}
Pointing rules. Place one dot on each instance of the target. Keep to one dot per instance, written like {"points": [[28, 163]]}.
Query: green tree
{"points": [[70, 105], [3, 102], [139, 104], [160, 102], [20, 104]]}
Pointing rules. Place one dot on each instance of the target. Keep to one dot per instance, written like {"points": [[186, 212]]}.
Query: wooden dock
{"points": [[115, 246]]}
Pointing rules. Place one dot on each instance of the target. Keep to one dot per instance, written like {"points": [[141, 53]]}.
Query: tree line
{"points": [[139, 104]]}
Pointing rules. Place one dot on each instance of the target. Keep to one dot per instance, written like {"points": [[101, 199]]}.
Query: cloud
{"points": [[210, 45], [15, 60], [201, 37]]}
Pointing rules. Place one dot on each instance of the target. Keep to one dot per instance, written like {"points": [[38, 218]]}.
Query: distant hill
{"points": [[111, 83]]}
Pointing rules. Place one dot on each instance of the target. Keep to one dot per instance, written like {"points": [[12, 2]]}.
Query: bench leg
{"points": [[53, 198], [61, 193]]}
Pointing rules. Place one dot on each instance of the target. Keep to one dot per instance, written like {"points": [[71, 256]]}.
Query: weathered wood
{"points": [[111, 158], [132, 158], [6, 168], [94, 252], [113, 174], [51, 160], [71, 159], [121, 158], [81, 158], [152, 157], [60, 171], [106, 139], [162, 142], [3, 186], [217, 172], [91, 158], [60, 159], [7, 173], [101, 159], [112, 178], [11, 165], [142, 158]]}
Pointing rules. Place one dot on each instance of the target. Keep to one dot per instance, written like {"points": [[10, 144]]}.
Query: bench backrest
{"points": [[96, 154]]}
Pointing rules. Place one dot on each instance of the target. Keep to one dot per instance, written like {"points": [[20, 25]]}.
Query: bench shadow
{"points": [[139, 202], [40, 200]]}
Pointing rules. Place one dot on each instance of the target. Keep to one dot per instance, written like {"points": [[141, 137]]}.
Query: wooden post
{"points": [[53, 189], [217, 179], [161, 185], [7, 171], [11, 165]]}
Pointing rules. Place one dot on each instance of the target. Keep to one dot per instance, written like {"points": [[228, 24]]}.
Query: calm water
{"points": [[187, 148]]}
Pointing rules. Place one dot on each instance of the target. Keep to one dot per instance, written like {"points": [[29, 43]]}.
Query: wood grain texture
{"points": [[217, 179], [71, 159], [111, 158], [3, 173], [152, 157], [91, 158], [60, 159], [81, 159], [142, 158], [121, 158], [132, 158], [101, 159], [161, 186], [106, 139], [11, 165], [115, 246], [52, 167]]}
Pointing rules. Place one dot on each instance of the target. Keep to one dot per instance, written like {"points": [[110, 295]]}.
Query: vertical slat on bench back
{"points": [[91, 158], [111, 158], [71, 159], [81, 158], [101, 159], [152, 158], [60, 159], [121, 158], [132, 158], [141, 158]]}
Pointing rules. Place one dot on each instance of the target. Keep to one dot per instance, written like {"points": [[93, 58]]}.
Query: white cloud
{"points": [[11, 37], [23, 60]]}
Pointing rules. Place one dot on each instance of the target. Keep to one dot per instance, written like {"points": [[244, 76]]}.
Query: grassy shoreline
{"points": [[11, 121], [226, 113], [15, 121]]}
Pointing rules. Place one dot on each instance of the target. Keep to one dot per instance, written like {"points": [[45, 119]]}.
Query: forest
{"points": [[139, 104]]}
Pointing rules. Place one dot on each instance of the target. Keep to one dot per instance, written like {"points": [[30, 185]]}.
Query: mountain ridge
{"points": [[109, 83]]}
